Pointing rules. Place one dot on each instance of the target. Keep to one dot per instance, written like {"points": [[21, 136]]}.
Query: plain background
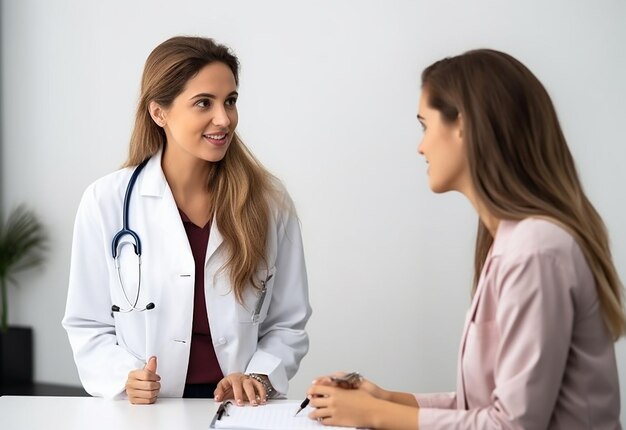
{"points": [[328, 98]]}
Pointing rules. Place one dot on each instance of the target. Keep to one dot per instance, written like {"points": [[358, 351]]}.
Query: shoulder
{"points": [[280, 202], [107, 187], [538, 239]]}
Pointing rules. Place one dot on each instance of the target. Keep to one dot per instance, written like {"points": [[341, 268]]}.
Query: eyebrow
{"points": [[211, 96]]}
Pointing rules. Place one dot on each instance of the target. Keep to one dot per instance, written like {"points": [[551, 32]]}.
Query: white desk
{"points": [[82, 413]]}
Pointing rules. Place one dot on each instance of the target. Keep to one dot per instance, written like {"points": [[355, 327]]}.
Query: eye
{"points": [[231, 102], [203, 103]]}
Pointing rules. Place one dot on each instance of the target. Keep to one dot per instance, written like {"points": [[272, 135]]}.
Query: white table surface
{"points": [[90, 413]]}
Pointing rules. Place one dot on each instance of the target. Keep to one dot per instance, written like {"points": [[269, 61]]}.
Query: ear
{"points": [[157, 113], [459, 126]]}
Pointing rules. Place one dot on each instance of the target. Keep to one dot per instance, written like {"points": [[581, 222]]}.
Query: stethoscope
{"points": [[134, 240]]}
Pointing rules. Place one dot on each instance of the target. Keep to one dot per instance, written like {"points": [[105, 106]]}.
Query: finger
{"points": [[250, 389], [320, 402], [326, 379], [237, 388], [143, 401], [137, 395], [143, 375], [151, 365], [223, 390], [144, 385], [320, 413], [320, 390]]}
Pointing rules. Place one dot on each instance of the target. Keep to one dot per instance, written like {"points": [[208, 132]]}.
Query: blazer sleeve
{"points": [[436, 400], [534, 320], [283, 341], [102, 365]]}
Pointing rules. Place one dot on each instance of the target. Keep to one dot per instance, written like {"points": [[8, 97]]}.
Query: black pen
{"points": [[302, 405], [221, 410]]}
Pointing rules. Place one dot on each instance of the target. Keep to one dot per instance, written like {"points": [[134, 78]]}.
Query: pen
{"points": [[350, 380], [302, 405], [221, 410]]}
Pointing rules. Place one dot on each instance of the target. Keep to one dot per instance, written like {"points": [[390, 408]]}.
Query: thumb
{"points": [[151, 365]]}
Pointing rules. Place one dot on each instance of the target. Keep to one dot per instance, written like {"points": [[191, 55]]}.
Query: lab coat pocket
{"points": [[257, 300], [479, 360], [130, 332]]}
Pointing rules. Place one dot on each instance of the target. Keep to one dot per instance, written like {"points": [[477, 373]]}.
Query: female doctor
{"points": [[187, 271]]}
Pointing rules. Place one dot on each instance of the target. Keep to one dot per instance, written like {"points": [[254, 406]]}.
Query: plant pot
{"points": [[16, 356]]}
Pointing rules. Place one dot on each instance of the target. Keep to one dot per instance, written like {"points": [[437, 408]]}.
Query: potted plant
{"points": [[22, 244]]}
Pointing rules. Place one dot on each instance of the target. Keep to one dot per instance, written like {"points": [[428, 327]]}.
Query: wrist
{"points": [[376, 413], [265, 381], [383, 394]]}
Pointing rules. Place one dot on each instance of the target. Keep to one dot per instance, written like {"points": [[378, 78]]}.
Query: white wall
{"points": [[329, 93]]}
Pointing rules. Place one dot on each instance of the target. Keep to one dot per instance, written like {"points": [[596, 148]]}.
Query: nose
{"points": [[221, 118], [420, 148]]}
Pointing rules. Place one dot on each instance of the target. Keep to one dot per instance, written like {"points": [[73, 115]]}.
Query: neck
{"points": [[186, 175], [490, 221]]}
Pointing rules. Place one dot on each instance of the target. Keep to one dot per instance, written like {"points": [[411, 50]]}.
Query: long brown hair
{"points": [[241, 187], [519, 160]]}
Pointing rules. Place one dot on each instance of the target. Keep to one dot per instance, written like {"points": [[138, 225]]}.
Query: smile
{"points": [[216, 139]]}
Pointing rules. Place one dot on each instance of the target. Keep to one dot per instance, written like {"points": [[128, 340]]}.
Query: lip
{"points": [[217, 142]]}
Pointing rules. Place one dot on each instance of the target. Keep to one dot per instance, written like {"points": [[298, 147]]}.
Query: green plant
{"points": [[22, 244]]}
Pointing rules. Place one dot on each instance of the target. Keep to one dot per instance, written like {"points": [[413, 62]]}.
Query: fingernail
{"points": [[314, 381], [217, 398], [239, 402]]}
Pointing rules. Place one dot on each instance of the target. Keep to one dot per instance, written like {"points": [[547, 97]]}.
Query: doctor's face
{"points": [[442, 147], [202, 119]]}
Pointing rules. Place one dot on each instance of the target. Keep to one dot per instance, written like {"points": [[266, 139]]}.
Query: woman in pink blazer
{"points": [[537, 347]]}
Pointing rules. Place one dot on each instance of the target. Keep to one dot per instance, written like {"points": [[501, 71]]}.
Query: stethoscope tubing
{"points": [[116, 245]]}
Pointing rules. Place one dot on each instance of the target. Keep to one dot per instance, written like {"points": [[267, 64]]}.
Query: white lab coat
{"points": [[107, 346]]}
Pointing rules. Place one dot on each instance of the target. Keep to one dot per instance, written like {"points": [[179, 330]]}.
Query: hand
{"points": [[142, 385], [342, 407], [366, 385], [241, 388]]}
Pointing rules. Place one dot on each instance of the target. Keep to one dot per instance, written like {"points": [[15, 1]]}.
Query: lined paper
{"points": [[272, 416]]}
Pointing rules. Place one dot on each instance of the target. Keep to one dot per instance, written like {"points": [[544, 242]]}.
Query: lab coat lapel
{"points": [[215, 240]]}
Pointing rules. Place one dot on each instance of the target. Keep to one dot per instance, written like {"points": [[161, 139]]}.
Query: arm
{"points": [[283, 342], [534, 320], [103, 366]]}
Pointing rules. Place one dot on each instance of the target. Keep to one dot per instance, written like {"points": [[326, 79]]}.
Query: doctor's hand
{"points": [[142, 385], [242, 388]]}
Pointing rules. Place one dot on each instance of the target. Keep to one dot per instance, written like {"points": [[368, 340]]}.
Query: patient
{"points": [[537, 349]]}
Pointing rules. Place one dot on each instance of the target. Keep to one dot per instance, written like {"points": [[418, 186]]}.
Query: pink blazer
{"points": [[535, 352]]}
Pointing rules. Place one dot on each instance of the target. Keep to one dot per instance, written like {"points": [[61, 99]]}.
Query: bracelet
{"points": [[265, 381]]}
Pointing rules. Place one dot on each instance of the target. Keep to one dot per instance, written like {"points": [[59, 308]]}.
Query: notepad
{"points": [[271, 416]]}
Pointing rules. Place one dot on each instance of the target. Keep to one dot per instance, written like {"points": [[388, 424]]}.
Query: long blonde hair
{"points": [[241, 187], [519, 160]]}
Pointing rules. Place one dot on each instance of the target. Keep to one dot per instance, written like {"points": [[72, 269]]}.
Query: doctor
{"points": [[207, 294]]}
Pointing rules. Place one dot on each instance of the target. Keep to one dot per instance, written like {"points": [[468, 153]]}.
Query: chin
{"points": [[215, 156], [438, 188]]}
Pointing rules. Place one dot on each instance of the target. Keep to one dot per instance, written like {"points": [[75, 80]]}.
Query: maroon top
{"points": [[203, 365]]}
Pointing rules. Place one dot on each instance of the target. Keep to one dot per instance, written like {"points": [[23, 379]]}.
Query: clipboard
{"points": [[271, 416]]}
